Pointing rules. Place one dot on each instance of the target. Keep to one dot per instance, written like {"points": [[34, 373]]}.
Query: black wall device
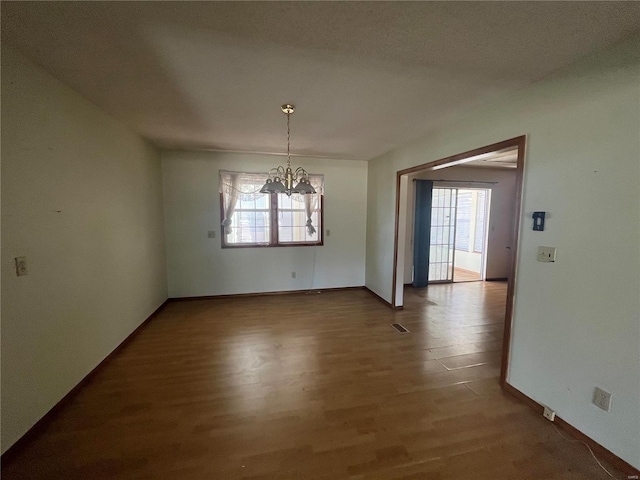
{"points": [[538, 221]]}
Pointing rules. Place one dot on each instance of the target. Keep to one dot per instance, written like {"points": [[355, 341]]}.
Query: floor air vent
{"points": [[399, 328]]}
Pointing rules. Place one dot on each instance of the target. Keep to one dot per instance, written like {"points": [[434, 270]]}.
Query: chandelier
{"points": [[282, 180]]}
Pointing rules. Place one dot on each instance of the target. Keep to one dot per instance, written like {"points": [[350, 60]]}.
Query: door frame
{"points": [[516, 142]]}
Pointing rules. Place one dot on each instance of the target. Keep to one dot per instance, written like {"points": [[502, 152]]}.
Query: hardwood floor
{"points": [[315, 386], [462, 275]]}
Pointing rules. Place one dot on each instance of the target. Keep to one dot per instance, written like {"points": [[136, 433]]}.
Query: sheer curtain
{"points": [[310, 202], [230, 187]]}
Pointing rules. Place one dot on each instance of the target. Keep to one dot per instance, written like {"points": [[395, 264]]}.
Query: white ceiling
{"points": [[365, 76]]}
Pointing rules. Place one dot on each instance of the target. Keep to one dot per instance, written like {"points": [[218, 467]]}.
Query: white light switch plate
{"points": [[546, 254]]}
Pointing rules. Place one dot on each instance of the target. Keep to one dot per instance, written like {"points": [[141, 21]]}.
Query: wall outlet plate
{"points": [[549, 414], [602, 399], [211, 234], [546, 254]]}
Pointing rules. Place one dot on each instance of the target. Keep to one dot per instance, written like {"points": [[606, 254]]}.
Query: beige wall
{"points": [[81, 199], [577, 321], [198, 266]]}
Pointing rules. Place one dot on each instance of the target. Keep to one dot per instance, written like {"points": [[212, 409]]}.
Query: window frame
{"points": [[273, 228]]}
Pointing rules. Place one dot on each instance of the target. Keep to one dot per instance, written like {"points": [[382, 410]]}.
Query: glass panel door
{"points": [[443, 221]]}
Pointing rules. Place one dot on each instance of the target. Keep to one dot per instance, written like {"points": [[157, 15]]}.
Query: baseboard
{"points": [[262, 294], [388, 304], [597, 449], [43, 423]]}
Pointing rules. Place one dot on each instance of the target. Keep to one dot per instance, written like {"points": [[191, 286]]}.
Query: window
{"points": [[463, 219], [471, 220], [253, 219], [481, 211]]}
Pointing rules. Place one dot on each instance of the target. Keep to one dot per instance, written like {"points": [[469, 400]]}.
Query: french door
{"points": [[442, 235]]}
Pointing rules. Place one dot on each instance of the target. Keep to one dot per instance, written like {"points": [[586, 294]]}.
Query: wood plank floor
{"points": [[462, 275], [315, 386]]}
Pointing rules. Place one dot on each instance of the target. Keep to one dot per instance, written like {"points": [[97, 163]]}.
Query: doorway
{"points": [[515, 147]]}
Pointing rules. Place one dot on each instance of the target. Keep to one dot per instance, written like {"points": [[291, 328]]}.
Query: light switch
{"points": [[546, 254], [211, 234], [21, 266], [538, 221]]}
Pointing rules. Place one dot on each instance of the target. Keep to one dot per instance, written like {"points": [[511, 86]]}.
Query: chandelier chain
{"points": [[288, 141]]}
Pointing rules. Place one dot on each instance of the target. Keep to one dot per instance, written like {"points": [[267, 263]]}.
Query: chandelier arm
{"points": [[276, 172], [300, 173]]}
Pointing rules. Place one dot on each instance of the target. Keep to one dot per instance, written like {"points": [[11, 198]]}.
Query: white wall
{"points": [[81, 199], [198, 266], [577, 321], [470, 261], [500, 218]]}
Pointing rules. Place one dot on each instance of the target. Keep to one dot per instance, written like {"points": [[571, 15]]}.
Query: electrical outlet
{"points": [[602, 399], [293, 274], [21, 266], [546, 254], [328, 232], [549, 414], [211, 234]]}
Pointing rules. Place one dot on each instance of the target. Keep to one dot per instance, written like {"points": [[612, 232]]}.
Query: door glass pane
{"points": [[443, 214]]}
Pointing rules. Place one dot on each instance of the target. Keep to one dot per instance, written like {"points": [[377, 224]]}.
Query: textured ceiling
{"points": [[365, 76]]}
